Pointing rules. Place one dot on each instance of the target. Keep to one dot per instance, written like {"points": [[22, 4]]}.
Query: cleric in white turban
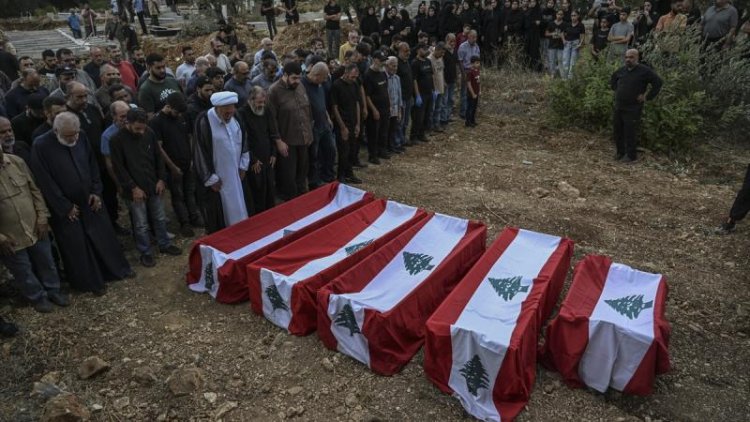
{"points": [[221, 159]]}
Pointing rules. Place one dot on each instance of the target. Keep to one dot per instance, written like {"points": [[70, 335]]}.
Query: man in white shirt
{"points": [[186, 69]]}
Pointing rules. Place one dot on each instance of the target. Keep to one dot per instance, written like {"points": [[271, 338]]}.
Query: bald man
{"points": [[240, 82], [634, 84], [322, 151], [94, 65]]}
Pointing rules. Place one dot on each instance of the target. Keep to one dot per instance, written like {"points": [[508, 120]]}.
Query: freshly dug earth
{"points": [[176, 355]]}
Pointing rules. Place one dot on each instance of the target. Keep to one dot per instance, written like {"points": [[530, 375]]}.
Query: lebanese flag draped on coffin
{"points": [[375, 312], [283, 285], [217, 261], [611, 330], [481, 343]]}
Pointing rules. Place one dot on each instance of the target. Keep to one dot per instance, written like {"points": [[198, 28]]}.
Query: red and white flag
{"points": [[284, 284], [611, 330], [481, 343], [375, 312], [217, 261]]}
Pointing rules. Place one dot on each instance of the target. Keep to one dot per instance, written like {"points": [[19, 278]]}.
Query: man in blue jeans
{"points": [[24, 239], [466, 51], [141, 172], [322, 151]]}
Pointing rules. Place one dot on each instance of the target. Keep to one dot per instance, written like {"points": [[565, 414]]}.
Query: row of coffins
{"points": [[378, 280]]}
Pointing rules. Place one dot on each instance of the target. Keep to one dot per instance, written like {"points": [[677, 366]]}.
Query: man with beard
{"points": [[268, 77], [630, 83], [216, 75], [290, 106], [376, 91], [222, 61], [222, 157], [25, 123], [52, 107], [345, 101], [421, 68], [187, 67], [155, 90], [66, 172], [10, 145], [127, 71], [174, 135], [141, 173], [95, 64], [25, 248], [65, 75], [16, 98], [200, 101], [239, 83], [65, 57], [47, 71], [262, 134], [140, 64], [109, 75]]}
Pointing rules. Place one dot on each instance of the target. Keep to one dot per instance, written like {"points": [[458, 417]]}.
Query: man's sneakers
{"points": [[58, 298], [726, 227], [7, 329], [171, 250]]}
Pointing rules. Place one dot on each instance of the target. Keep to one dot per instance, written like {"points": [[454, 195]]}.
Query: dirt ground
{"points": [[657, 215]]}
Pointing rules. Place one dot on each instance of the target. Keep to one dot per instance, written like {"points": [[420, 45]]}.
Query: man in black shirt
{"points": [[630, 83], [141, 173], [378, 106], [25, 123], [332, 16], [16, 98], [345, 101], [260, 126], [173, 134], [421, 69], [8, 63], [407, 92]]}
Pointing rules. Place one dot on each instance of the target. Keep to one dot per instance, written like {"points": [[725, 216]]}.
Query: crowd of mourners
{"points": [[231, 132]]}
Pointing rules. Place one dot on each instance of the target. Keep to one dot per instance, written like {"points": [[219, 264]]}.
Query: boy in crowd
{"points": [[473, 87]]}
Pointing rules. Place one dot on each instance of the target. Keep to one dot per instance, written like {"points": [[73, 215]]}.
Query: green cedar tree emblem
{"points": [[345, 318], [475, 374], [277, 302], [350, 250], [416, 262], [208, 276], [507, 288], [288, 232], [629, 306]]}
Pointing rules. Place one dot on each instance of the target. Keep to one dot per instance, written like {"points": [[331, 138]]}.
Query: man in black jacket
{"points": [[630, 83]]}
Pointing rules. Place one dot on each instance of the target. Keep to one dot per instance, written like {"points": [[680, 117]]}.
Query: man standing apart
{"points": [[332, 16], [378, 105], [174, 135], [140, 171], [222, 158], [154, 92], [66, 172], [345, 101], [719, 24], [630, 83], [288, 102], [24, 231], [262, 135]]}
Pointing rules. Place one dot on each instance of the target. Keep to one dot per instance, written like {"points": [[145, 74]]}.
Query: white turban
{"points": [[224, 98]]}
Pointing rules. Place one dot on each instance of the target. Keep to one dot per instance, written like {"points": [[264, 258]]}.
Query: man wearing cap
{"points": [[288, 102], [25, 123], [16, 98], [24, 232], [375, 83], [65, 75], [222, 157], [66, 172], [172, 132], [141, 173]]}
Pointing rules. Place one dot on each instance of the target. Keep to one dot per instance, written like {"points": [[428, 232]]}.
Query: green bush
{"points": [[706, 93]]}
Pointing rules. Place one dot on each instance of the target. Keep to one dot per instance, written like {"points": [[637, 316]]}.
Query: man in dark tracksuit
{"points": [[740, 207], [421, 69], [630, 83], [378, 104], [345, 100]]}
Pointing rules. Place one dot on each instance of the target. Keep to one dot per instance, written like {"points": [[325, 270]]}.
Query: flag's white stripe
{"points": [[486, 324], [345, 196], [618, 344], [436, 238], [394, 215]]}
